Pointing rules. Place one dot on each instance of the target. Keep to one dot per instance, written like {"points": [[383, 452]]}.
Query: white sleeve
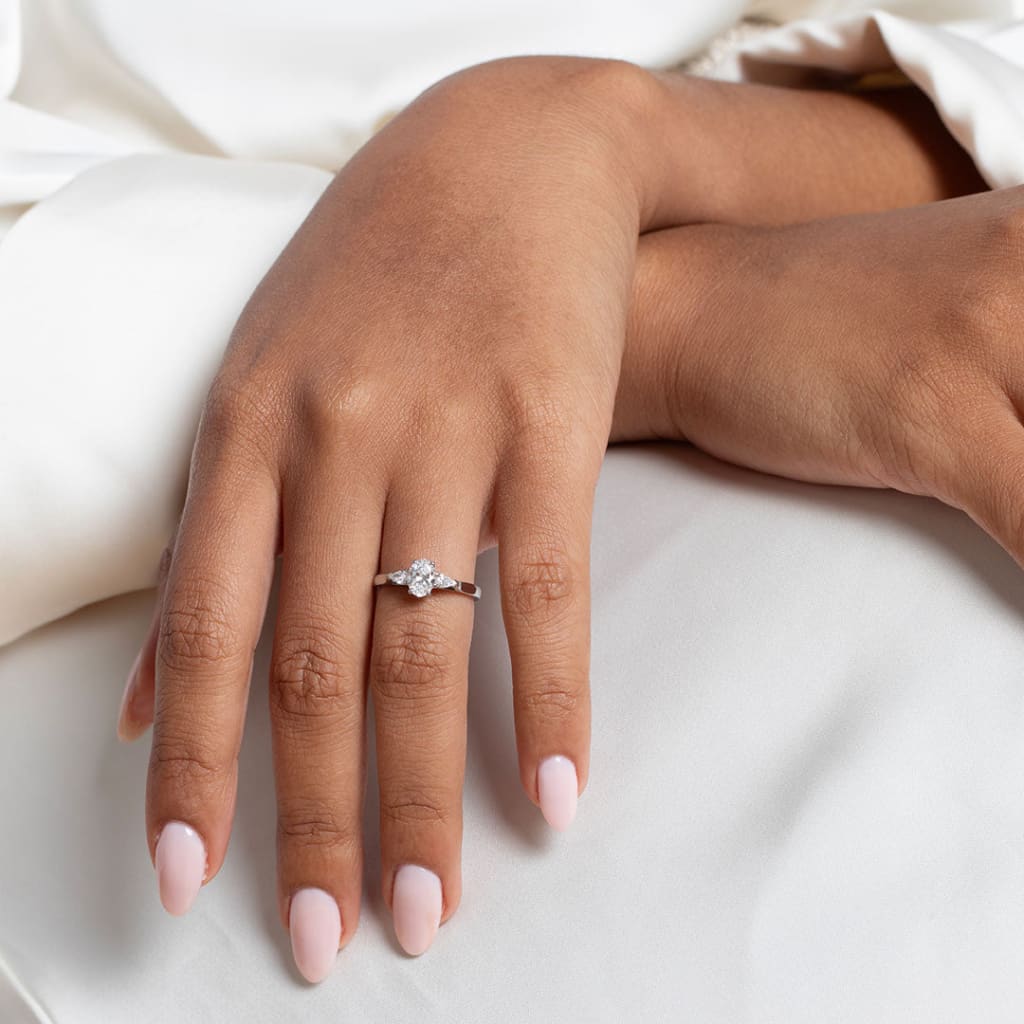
{"points": [[118, 293], [123, 265]]}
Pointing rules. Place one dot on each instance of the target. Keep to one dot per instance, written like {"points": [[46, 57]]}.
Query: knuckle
{"points": [[318, 828], [544, 583], [538, 412], [558, 418], [309, 679], [196, 631], [418, 808], [333, 408], [240, 416], [552, 701], [986, 306], [443, 417], [183, 765], [413, 661]]}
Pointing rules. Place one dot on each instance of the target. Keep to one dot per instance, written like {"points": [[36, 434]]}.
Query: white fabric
{"points": [[804, 801]]}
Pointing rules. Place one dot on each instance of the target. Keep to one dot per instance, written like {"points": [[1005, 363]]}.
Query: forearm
{"points": [[751, 154], [743, 157], [669, 149]]}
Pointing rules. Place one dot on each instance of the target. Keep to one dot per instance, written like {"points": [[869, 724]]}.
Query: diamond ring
{"points": [[422, 577]]}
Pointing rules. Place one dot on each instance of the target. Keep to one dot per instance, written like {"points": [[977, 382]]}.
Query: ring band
{"points": [[422, 577]]}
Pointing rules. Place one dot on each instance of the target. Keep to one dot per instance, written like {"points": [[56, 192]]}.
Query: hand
{"points": [[430, 368], [448, 323], [881, 350]]}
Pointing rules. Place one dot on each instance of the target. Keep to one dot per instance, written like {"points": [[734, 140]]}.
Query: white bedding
{"points": [[805, 800]]}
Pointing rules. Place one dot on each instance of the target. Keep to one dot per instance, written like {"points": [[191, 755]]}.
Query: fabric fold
{"points": [[121, 290]]}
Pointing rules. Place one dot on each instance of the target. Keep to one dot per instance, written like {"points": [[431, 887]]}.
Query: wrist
{"points": [[575, 126]]}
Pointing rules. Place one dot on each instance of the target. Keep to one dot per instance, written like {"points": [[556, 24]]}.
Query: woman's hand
{"points": [[880, 350], [430, 368]]}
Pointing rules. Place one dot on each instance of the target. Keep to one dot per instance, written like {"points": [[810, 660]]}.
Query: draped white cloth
{"points": [[804, 804]]}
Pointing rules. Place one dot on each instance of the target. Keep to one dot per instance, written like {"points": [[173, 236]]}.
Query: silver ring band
{"points": [[422, 578]]}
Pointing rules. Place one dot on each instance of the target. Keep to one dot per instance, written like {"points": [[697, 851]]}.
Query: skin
{"points": [[537, 258], [893, 362]]}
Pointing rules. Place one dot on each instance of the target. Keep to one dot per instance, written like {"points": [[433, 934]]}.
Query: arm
{"points": [[694, 150], [753, 154], [874, 349]]}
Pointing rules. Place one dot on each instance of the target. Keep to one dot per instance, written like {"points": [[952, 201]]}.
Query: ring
{"points": [[422, 577]]}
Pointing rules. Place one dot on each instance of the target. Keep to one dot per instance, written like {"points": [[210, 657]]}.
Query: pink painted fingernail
{"points": [[315, 925], [416, 906], [127, 728], [180, 866], [558, 791]]}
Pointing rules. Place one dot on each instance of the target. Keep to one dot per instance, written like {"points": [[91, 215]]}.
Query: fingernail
{"points": [[558, 790], [315, 925], [127, 727], [180, 866], [416, 907]]}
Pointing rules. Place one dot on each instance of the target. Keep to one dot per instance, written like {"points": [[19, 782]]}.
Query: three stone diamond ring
{"points": [[422, 577]]}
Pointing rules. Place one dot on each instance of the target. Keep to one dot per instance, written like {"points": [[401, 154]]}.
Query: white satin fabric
{"points": [[805, 803]]}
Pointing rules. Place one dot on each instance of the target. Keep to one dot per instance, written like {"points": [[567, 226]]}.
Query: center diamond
{"points": [[422, 577]]}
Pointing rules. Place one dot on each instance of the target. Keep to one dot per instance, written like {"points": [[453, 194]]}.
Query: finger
{"points": [[543, 511], [317, 704], [136, 712], [216, 596], [418, 678]]}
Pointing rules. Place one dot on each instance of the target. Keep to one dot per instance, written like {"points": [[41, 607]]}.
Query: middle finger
{"points": [[418, 678], [331, 523]]}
